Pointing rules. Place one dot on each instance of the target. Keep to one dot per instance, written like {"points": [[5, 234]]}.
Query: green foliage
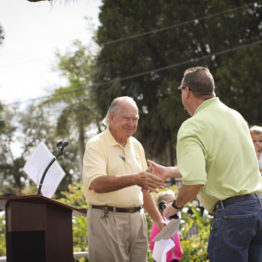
{"points": [[38, 124], [72, 100], [11, 175], [2, 235], [149, 67], [75, 198], [194, 231]]}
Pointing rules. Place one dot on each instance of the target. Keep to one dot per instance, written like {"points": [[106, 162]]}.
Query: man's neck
{"points": [[119, 140], [198, 102]]}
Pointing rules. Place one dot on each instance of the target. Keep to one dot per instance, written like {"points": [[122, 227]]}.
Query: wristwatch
{"points": [[176, 207]]}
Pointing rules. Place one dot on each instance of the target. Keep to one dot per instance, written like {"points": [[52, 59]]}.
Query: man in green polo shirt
{"points": [[217, 162]]}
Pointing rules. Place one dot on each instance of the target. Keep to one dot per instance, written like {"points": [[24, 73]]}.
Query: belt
{"points": [[118, 209], [235, 199]]}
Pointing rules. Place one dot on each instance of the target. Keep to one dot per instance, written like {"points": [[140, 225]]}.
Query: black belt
{"points": [[118, 209], [235, 199]]}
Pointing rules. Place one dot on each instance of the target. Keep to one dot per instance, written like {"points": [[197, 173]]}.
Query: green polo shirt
{"points": [[214, 148]]}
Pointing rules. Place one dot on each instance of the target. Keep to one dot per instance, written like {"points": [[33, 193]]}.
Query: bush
{"points": [[2, 234], [195, 228], [75, 198]]}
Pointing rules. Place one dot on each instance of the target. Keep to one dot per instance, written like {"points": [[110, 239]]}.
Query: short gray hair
{"points": [[114, 107], [200, 81]]}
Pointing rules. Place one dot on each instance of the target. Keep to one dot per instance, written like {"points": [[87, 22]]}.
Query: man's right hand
{"points": [[158, 170], [162, 171], [149, 181]]}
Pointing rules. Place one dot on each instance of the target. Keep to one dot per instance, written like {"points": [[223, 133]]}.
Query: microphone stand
{"points": [[61, 145]]}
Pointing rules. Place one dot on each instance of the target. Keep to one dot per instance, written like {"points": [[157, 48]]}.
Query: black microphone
{"points": [[62, 144]]}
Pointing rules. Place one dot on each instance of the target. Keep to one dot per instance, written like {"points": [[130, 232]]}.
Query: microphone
{"points": [[62, 144]]}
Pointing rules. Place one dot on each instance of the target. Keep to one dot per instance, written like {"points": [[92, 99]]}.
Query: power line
{"points": [[131, 37], [161, 68], [192, 60], [178, 24]]}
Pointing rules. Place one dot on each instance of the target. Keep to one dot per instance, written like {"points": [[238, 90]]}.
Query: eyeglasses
{"points": [[182, 87]]}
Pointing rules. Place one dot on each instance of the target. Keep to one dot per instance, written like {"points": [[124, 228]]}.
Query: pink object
{"points": [[174, 253]]}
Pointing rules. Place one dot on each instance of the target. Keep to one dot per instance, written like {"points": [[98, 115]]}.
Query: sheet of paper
{"points": [[169, 230], [161, 248], [36, 165]]}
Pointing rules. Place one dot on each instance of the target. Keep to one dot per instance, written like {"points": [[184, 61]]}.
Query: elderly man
{"points": [[217, 161], [117, 186]]}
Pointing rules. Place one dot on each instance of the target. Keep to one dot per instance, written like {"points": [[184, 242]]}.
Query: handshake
{"points": [[155, 176]]}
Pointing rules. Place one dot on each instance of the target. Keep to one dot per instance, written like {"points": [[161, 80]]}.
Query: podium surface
{"points": [[38, 229]]}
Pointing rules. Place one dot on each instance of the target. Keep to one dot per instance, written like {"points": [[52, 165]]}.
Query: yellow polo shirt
{"points": [[215, 149], [105, 157]]}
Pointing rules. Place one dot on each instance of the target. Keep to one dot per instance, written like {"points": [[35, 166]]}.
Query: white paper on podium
{"points": [[161, 248], [36, 165], [169, 230]]}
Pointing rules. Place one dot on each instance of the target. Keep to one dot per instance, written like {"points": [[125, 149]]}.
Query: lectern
{"points": [[38, 229]]}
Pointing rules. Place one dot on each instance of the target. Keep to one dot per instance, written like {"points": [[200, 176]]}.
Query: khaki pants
{"points": [[120, 237]]}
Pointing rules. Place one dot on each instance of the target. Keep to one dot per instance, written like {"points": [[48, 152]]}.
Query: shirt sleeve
{"points": [[142, 156], [94, 164], [191, 156]]}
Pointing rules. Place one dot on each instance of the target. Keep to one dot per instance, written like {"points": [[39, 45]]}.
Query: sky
{"points": [[33, 33]]}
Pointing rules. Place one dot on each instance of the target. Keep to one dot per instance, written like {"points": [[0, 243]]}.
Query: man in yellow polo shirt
{"points": [[217, 162], [117, 186]]}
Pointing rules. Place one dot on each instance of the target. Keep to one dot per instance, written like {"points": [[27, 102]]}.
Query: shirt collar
{"points": [[207, 103], [111, 140]]}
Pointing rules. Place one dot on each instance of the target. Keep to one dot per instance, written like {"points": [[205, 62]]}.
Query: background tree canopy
{"points": [[145, 47]]}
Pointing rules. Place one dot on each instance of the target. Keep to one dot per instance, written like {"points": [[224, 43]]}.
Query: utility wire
{"points": [[131, 37], [161, 68], [178, 24], [192, 60]]}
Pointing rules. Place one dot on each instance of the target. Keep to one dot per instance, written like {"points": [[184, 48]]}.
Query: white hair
{"points": [[114, 107]]}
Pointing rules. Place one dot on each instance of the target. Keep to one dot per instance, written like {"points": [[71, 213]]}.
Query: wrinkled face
{"points": [[257, 140], [124, 123]]}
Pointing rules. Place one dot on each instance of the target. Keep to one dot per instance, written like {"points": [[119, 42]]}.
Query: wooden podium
{"points": [[38, 229]]}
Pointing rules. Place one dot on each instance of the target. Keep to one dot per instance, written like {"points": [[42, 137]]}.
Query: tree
{"points": [[146, 47], [38, 124], [76, 113], [11, 176], [24, 131]]}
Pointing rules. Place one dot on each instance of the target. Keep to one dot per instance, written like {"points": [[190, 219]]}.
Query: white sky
{"points": [[33, 32]]}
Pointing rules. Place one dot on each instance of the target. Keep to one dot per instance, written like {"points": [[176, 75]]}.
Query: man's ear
{"points": [[187, 92], [111, 116]]}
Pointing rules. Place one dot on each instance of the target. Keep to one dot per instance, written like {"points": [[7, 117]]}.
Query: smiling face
{"points": [[123, 124]]}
